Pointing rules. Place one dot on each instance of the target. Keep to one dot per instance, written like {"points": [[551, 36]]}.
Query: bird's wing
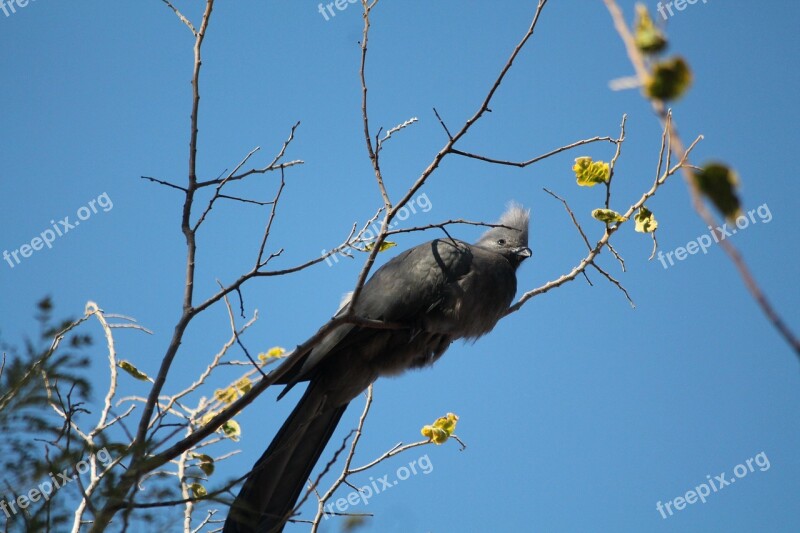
{"points": [[404, 291], [414, 282]]}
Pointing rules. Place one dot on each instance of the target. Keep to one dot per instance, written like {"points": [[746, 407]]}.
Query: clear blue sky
{"points": [[579, 413]]}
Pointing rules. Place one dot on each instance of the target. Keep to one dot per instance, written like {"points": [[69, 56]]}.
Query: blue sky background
{"points": [[579, 412]]}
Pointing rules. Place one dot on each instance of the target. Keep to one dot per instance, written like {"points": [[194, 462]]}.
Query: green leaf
{"points": [[352, 523], [128, 367], [609, 216], [589, 173], [670, 79], [385, 245], [206, 463], [232, 430], [718, 183], [647, 36], [645, 221], [198, 490]]}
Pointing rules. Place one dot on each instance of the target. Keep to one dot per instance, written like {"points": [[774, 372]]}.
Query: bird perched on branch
{"points": [[436, 292]]}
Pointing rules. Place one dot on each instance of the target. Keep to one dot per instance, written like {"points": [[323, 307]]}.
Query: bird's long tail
{"points": [[273, 486]]}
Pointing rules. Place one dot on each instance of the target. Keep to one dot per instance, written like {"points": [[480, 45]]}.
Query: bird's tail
{"points": [[271, 490]]}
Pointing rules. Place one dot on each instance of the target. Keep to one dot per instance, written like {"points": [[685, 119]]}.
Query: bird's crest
{"points": [[516, 217]]}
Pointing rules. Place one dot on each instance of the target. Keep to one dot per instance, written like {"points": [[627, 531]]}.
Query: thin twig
{"points": [[595, 251], [162, 182], [442, 225], [638, 62], [610, 278], [447, 149], [180, 16], [523, 164], [572, 216]]}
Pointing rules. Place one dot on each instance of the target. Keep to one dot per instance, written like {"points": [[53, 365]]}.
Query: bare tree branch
{"points": [[447, 149], [638, 62], [602, 243]]}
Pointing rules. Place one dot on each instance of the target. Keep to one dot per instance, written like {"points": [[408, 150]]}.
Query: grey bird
{"points": [[442, 290]]}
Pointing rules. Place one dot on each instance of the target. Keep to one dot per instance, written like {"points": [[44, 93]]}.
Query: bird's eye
{"points": [[501, 242]]}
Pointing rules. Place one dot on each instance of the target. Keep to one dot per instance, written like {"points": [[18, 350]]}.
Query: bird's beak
{"points": [[523, 252]]}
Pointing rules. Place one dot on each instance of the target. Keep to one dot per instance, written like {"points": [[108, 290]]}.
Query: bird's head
{"points": [[510, 241]]}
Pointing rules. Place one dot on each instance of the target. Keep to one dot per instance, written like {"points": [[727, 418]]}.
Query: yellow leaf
{"points": [[128, 367], [437, 435], [274, 352], [589, 173], [385, 245], [442, 429], [609, 216], [447, 423], [244, 385], [227, 395], [645, 221], [206, 418]]}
